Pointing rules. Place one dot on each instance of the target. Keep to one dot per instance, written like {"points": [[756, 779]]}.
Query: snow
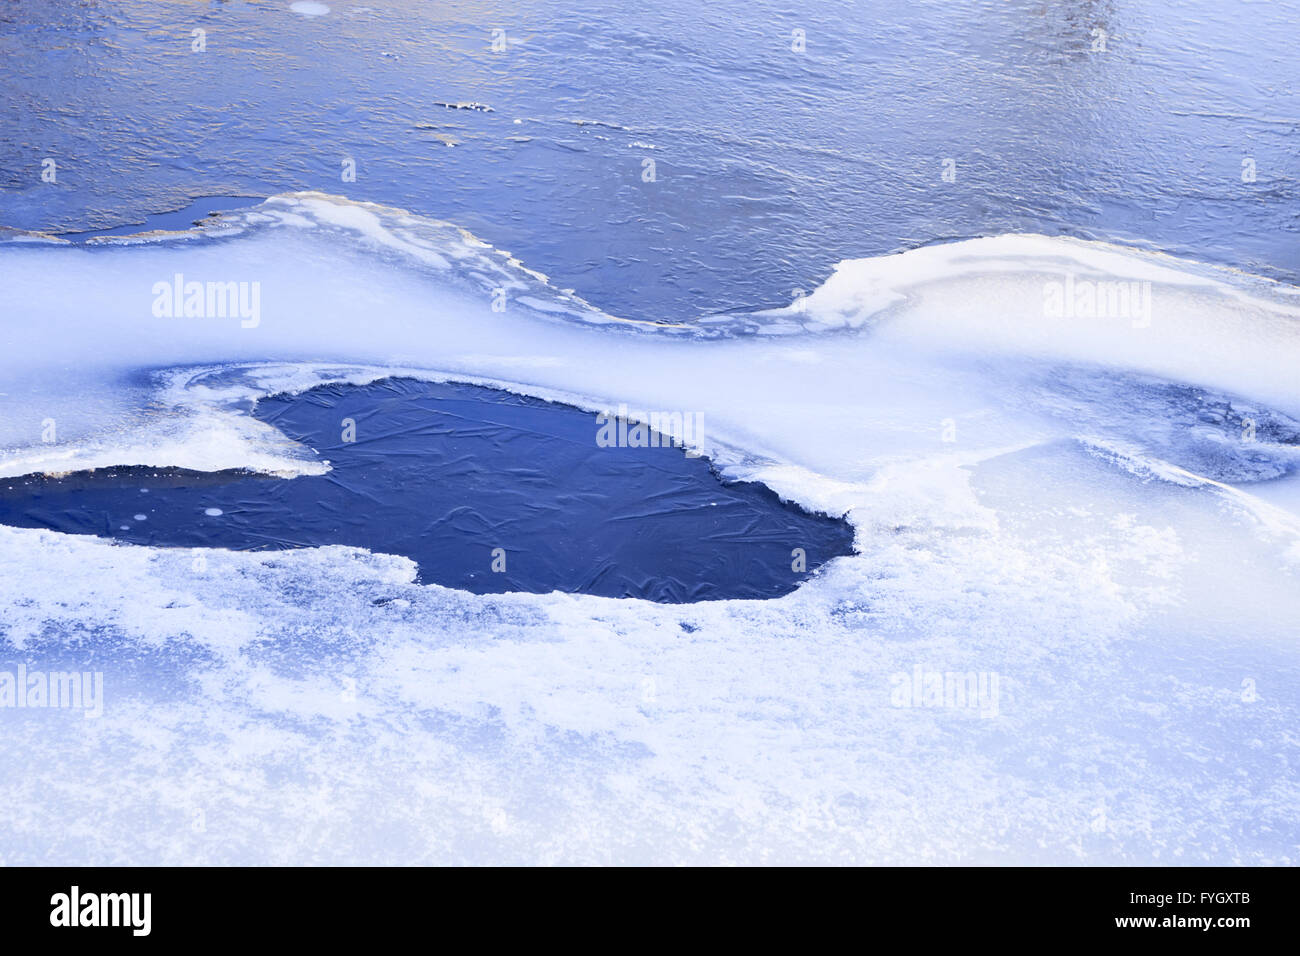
{"points": [[1029, 497]]}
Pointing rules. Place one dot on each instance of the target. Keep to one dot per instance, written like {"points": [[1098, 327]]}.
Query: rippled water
{"points": [[770, 165]]}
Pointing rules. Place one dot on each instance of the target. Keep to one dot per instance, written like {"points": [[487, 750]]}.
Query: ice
{"points": [[1077, 505]]}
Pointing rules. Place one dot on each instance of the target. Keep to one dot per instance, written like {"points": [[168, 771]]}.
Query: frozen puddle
{"points": [[486, 490]]}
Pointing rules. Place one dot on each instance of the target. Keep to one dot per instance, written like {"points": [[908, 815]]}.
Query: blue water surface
{"points": [[487, 491], [784, 137]]}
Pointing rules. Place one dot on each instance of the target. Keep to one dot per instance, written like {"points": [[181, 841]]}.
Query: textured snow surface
{"points": [[1099, 511]]}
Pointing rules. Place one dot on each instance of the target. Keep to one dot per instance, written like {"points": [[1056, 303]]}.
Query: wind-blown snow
{"points": [[1072, 504]]}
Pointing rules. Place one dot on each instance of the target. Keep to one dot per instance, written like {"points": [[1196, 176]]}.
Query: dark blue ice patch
{"points": [[461, 479], [176, 220]]}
